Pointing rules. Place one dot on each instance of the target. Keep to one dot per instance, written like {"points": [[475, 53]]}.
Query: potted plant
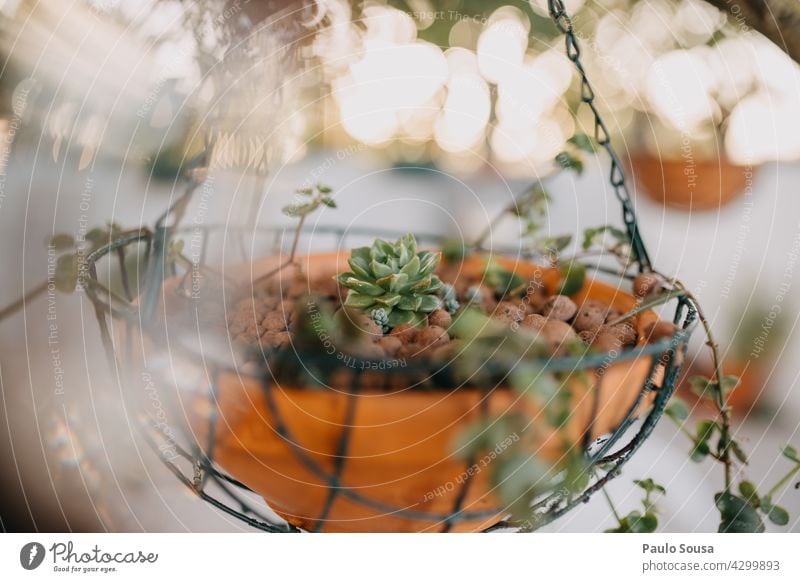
{"points": [[408, 388], [402, 351]]}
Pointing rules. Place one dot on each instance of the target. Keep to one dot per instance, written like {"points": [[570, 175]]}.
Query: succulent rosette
{"points": [[394, 280]]}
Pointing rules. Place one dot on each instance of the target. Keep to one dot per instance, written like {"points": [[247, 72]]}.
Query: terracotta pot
{"points": [[690, 185], [399, 470], [752, 381]]}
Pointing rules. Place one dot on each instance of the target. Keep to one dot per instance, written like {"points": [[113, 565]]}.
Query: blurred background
{"points": [[422, 115]]}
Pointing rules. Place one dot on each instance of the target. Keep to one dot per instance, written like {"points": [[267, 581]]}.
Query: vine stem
{"points": [[690, 436], [19, 303], [478, 243], [645, 305], [611, 505], [723, 411], [784, 481], [292, 253]]}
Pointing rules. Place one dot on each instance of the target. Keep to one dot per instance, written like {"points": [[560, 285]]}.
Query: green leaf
{"points": [[638, 523], [342, 277], [328, 201], [552, 245], [738, 452], [65, 277], [766, 503], [410, 302], [355, 299], [749, 493], [61, 242], [435, 285], [421, 285], [778, 515], [573, 276], [519, 478], [531, 380], [403, 255], [398, 316], [558, 411], [677, 410], [502, 279], [398, 282], [728, 384], [588, 238], [705, 430], [791, 453], [410, 243], [383, 248], [324, 189], [701, 386], [389, 299], [429, 303], [361, 270], [582, 142], [737, 515], [699, 452], [650, 486], [380, 270], [454, 250], [569, 162], [363, 287], [411, 268], [592, 236], [428, 263], [297, 210]]}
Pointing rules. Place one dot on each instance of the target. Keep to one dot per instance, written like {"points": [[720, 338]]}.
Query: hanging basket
{"points": [[344, 449], [333, 448], [345, 452]]}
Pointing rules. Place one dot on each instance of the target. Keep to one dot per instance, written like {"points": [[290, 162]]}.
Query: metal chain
{"points": [[617, 176]]}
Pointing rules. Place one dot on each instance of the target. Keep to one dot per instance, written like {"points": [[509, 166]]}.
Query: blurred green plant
{"points": [[636, 521]]}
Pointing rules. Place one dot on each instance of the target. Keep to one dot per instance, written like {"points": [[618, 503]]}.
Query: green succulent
{"points": [[449, 298], [394, 278]]}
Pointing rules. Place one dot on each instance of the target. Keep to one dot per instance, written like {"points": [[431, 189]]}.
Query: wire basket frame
{"points": [[194, 462]]}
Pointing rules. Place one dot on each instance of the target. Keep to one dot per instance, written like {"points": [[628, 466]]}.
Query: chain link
{"points": [[616, 176]]}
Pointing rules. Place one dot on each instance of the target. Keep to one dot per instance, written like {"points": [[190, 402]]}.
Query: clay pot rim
{"points": [[720, 160]]}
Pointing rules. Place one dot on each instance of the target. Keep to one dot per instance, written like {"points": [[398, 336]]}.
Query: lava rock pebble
{"points": [[646, 283], [432, 336], [405, 332], [560, 307], [509, 312], [625, 331], [590, 316], [390, 344], [440, 318]]}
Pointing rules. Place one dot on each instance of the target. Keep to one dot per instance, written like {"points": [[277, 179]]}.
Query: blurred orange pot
{"points": [[690, 184]]}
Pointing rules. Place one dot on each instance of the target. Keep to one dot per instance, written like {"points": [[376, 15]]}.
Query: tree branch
{"points": [[778, 20]]}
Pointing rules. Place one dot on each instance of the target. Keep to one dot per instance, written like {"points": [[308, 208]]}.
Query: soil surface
{"points": [[290, 308]]}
